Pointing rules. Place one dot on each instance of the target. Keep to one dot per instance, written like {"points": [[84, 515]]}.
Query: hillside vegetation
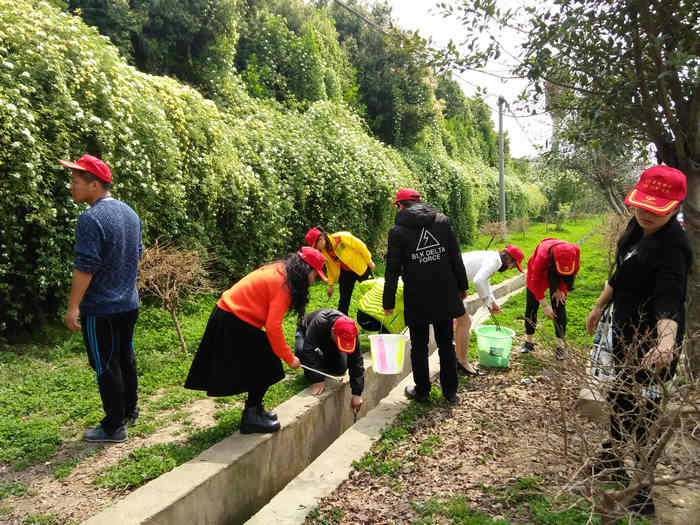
{"points": [[241, 174]]}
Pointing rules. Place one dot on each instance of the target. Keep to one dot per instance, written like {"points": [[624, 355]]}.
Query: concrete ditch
{"points": [[231, 481]]}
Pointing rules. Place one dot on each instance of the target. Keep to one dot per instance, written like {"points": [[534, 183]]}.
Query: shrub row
{"points": [[244, 183]]}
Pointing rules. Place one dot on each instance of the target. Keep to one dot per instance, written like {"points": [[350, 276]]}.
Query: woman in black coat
{"points": [[648, 290]]}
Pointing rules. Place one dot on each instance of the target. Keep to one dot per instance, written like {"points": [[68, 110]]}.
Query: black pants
{"points": [[531, 307], [109, 342], [346, 283], [370, 324], [419, 356]]}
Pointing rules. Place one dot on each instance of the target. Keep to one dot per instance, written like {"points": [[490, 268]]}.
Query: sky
{"points": [[525, 133]]}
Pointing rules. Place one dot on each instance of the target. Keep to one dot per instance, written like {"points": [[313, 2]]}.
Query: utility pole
{"points": [[501, 180]]}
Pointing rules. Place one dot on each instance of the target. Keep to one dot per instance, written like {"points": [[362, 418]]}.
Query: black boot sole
{"points": [[259, 429]]}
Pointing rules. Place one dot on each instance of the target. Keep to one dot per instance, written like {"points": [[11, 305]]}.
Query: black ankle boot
{"points": [[608, 466], [642, 503], [253, 421], [268, 415]]}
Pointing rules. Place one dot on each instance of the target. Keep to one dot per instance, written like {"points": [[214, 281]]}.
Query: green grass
{"points": [[41, 519], [572, 232], [522, 502], [325, 517], [9, 488], [49, 394], [456, 509], [587, 287]]}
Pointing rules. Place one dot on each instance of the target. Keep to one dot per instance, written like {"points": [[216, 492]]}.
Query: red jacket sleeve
{"points": [[536, 279]]}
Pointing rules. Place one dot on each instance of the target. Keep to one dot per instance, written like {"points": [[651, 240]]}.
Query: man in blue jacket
{"points": [[103, 299], [424, 251]]}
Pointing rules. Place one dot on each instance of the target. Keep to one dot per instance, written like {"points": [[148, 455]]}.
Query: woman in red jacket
{"points": [[554, 265], [243, 342]]}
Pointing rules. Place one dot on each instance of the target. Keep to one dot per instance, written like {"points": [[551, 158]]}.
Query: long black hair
{"points": [[296, 272]]}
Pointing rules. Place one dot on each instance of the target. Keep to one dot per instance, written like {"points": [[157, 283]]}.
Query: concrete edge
{"points": [[236, 477], [291, 505]]}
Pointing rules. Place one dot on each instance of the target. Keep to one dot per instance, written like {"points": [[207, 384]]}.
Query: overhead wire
{"points": [[495, 110]]}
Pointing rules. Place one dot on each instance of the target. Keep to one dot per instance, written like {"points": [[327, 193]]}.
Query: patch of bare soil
{"points": [[76, 498], [503, 428]]}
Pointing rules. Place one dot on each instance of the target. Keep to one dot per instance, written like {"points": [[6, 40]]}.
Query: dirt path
{"points": [[76, 498], [500, 431]]}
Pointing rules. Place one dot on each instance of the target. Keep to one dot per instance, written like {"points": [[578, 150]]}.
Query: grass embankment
{"points": [[49, 395]]}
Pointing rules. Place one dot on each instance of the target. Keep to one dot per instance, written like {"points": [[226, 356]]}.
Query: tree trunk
{"points": [[691, 212], [612, 200], [173, 314]]}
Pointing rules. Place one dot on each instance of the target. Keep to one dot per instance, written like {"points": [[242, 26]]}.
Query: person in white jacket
{"points": [[480, 266]]}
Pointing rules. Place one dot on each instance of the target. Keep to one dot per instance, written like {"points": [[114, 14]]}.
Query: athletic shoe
{"points": [[98, 435], [559, 353], [410, 393], [526, 348], [469, 370]]}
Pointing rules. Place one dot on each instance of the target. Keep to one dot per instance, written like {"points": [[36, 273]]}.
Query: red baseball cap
{"points": [[345, 334], [90, 164], [315, 259], [567, 258], [659, 190], [312, 236], [517, 254], [406, 194]]}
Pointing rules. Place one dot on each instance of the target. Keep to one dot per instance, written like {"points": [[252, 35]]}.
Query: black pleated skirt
{"points": [[233, 357]]}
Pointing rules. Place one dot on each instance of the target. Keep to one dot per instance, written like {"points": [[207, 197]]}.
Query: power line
{"points": [[512, 115], [361, 16]]}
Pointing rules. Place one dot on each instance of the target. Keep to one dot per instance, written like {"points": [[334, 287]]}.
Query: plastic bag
{"points": [[602, 365]]}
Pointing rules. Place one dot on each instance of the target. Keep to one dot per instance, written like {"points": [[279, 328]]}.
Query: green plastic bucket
{"points": [[494, 345]]}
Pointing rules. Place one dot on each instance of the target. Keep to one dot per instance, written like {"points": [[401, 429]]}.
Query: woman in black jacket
{"points": [[648, 290]]}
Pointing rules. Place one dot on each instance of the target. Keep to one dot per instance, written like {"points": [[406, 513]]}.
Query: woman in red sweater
{"points": [[243, 342], [554, 265]]}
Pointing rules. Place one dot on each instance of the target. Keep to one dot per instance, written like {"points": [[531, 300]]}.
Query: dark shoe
{"points": [[471, 370], [559, 353], [526, 348], [410, 393], [268, 415], [642, 503], [98, 435], [130, 420], [452, 398], [254, 422], [608, 466]]}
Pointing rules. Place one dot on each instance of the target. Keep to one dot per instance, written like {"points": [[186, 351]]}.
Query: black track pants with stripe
{"points": [[109, 342]]}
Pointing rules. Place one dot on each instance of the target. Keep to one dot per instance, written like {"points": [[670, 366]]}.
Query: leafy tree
{"points": [[192, 40], [290, 52], [470, 129], [396, 82], [633, 69]]}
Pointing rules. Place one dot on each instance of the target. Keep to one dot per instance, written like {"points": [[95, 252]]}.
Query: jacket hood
{"points": [[416, 216]]}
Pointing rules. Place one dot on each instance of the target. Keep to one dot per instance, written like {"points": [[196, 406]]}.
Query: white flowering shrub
{"points": [[244, 183]]}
